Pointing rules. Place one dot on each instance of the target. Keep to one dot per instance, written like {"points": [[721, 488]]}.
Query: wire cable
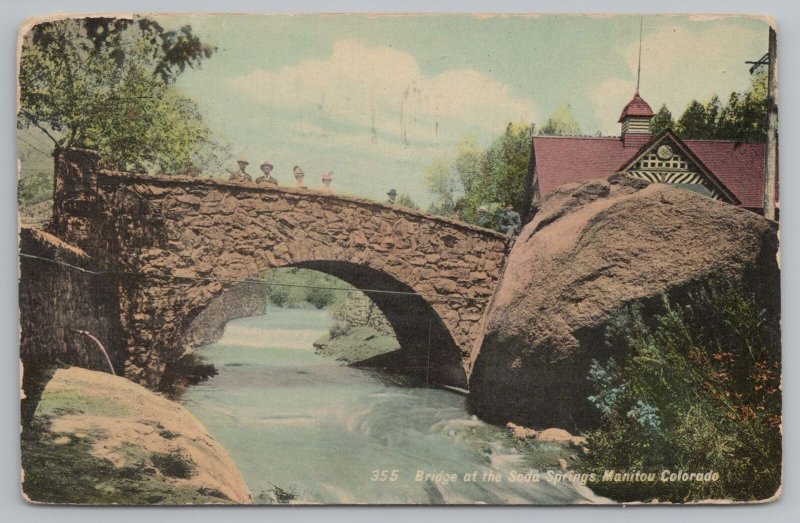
{"points": [[229, 281]]}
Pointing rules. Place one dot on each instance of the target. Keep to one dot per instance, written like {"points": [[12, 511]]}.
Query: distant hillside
{"points": [[34, 152]]}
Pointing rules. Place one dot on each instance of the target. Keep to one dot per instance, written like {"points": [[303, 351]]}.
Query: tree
{"points": [[406, 201], [442, 180], [107, 84], [476, 177], [468, 165], [561, 123], [661, 120], [743, 118], [694, 123], [504, 167]]}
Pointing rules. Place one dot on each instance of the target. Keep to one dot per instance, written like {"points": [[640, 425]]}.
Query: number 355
{"points": [[384, 475]]}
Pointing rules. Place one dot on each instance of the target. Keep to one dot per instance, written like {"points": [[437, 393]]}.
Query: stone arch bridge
{"points": [[175, 245]]}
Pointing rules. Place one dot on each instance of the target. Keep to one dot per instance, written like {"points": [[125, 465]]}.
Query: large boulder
{"points": [[592, 248]]}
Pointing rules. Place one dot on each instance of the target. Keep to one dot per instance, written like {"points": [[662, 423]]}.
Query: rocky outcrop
{"points": [[356, 345], [358, 310], [591, 249], [360, 331], [101, 439]]}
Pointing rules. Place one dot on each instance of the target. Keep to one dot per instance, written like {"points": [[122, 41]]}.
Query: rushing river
{"points": [[305, 428]]}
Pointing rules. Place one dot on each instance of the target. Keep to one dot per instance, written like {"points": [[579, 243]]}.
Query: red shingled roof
{"points": [[565, 159], [636, 107], [738, 165]]}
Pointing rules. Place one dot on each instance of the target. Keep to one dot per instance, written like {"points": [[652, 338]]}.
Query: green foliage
{"points": [[294, 288], [697, 391], [106, 84], [406, 201], [443, 181], [319, 297], [561, 123], [698, 120], [278, 296], [662, 120], [476, 177], [743, 118], [36, 180], [504, 168]]}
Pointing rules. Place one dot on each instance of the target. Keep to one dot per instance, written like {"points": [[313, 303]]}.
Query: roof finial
{"points": [[639, 70]]}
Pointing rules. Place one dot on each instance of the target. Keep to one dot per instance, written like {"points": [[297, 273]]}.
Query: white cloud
{"points": [[384, 89], [679, 65]]}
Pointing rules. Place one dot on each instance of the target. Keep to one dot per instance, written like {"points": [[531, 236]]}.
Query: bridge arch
{"points": [[427, 348], [177, 243]]}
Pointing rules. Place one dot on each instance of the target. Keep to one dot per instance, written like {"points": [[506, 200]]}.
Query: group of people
{"points": [[241, 175], [508, 220]]}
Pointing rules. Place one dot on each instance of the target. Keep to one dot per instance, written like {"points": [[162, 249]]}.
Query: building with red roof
{"points": [[724, 170]]}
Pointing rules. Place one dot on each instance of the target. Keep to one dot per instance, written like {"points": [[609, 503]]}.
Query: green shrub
{"points": [[294, 287], [338, 329], [278, 296], [174, 464], [698, 390], [319, 297]]}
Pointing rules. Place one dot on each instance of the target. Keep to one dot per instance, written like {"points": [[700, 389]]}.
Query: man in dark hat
{"points": [[266, 168], [240, 175], [392, 194], [508, 221]]}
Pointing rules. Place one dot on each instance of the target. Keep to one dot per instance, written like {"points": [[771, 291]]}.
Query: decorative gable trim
{"points": [[687, 169]]}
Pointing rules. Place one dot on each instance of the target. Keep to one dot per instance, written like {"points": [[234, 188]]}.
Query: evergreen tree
{"points": [[661, 120], [693, 123], [743, 118]]}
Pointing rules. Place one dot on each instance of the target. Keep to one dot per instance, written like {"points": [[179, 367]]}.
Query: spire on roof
{"points": [[639, 68]]}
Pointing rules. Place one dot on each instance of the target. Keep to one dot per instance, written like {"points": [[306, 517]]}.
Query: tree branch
{"points": [[32, 119]]}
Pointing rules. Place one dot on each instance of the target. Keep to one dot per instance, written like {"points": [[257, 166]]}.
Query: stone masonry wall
{"points": [[55, 301], [240, 301]]}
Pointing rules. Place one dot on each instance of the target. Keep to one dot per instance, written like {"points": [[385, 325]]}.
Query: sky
{"points": [[376, 98]]}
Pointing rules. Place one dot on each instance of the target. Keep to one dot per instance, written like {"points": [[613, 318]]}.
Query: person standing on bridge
{"points": [[299, 176], [240, 175], [327, 178], [266, 168], [392, 194], [508, 221]]}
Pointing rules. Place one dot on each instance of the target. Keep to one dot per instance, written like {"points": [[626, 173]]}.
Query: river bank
{"points": [[100, 439]]}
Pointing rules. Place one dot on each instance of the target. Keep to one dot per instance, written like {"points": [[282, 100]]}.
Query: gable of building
{"points": [[667, 159]]}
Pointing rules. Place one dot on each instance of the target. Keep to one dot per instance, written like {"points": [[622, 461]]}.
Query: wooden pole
{"points": [[771, 156]]}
